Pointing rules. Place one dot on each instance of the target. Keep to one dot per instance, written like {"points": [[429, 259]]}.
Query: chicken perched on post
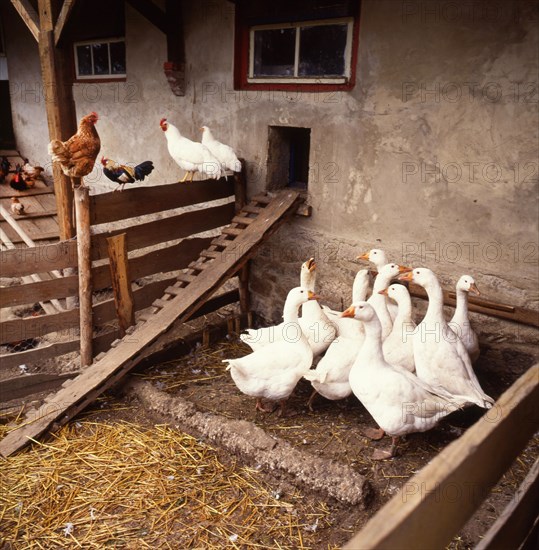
{"points": [[224, 153], [17, 207], [190, 155], [5, 165], [77, 155], [122, 174]]}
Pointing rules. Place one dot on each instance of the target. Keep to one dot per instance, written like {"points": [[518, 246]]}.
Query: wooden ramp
{"points": [[226, 255]]}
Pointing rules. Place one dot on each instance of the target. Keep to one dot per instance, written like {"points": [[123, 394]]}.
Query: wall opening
{"points": [[288, 157]]}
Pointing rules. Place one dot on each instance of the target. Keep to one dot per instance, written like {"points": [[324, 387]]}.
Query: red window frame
{"points": [[241, 62]]}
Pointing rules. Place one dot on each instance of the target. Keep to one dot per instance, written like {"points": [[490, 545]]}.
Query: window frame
{"points": [[296, 79], [98, 77], [244, 57]]}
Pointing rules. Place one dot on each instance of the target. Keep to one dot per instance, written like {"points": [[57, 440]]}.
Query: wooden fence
{"points": [[111, 214]]}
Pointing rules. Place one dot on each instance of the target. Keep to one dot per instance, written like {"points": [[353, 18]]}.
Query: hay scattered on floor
{"points": [[98, 485]]}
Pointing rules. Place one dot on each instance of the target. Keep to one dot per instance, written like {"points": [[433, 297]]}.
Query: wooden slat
{"points": [[28, 15], [175, 227], [39, 259], [6, 191], [109, 207], [513, 526], [27, 384], [35, 327], [40, 291], [35, 215], [234, 231], [242, 220], [454, 484], [63, 17], [118, 361]]}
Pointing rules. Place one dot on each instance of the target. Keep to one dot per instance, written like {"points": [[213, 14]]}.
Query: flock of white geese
{"points": [[407, 376]]}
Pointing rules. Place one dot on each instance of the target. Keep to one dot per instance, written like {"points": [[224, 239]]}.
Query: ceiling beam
{"points": [[28, 15], [63, 17], [155, 15]]}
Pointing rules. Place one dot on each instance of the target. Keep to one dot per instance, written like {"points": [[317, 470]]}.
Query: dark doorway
{"points": [[288, 157], [7, 137]]}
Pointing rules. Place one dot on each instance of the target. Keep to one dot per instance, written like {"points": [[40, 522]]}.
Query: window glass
{"points": [[101, 59], [84, 60], [274, 52], [117, 57], [322, 50]]}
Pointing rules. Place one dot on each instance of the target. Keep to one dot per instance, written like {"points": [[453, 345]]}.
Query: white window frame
{"points": [[91, 43], [349, 21]]}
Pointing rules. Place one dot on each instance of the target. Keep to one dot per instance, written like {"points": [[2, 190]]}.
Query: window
{"points": [[302, 52], [288, 157], [100, 59], [303, 45]]}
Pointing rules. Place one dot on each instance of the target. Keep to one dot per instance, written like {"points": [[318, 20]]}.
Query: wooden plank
{"points": [[63, 17], [118, 361], [41, 237], [512, 527], [454, 484], [34, 215], [35, 327], [121, 281], [28, 15], [40, 291], [175, 227], [27, 384], [100, 344], [139, 201]]}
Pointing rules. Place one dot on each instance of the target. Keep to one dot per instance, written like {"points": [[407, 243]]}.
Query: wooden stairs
{"points": [[227, 254]]}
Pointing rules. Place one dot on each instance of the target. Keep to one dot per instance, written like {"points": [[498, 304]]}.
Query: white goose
{"points": [[440, 357], [379, 301], [398, 346], [379, 258], [349, 327], [397, 400], [316, 327], [460, 322], [273, 372]]}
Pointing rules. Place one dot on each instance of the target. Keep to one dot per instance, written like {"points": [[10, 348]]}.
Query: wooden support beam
{"points": [[455, 483], [155, 15], [28, 15], [82, 203], [121, 281], [60, 109], [63, 17]]}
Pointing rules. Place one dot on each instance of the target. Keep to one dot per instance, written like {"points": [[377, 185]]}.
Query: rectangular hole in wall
{"points": [[288, 157]]}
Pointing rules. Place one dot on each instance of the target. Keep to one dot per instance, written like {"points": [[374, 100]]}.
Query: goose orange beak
{"points": [[312, 295], [363, 256], [408, 276], [474, 289], [350, 312], [384, 292], [404, 269]]}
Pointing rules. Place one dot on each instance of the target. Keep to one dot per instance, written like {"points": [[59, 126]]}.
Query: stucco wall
{"points": [[432, 156]]}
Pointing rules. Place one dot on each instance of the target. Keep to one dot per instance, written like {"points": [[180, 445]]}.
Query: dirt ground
{"points": [[332, 434]]}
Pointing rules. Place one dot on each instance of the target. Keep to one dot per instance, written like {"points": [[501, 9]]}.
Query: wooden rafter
{"points": [[155, 15], [63, 17], [28, 15]]}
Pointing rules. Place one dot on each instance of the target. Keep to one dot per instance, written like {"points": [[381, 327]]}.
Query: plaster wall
{"points": [[432, 156]]}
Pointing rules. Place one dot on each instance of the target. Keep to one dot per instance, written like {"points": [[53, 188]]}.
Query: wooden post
{"points": [[240, 192], [60, 107], [82, 208], [121, 281]]}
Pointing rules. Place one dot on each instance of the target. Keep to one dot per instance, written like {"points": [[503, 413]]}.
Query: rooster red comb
{"points": [[104, 160], [163, 124]]}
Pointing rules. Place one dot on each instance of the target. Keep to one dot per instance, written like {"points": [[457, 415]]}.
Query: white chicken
{"points": [[190, 155], [224, 153]]}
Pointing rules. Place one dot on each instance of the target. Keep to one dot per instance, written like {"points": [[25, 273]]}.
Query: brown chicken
{"points": [[77, 155], [17, 207], [32, 173]]}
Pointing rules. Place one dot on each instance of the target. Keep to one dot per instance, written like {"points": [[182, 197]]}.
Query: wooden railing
{"points": [[122, 213]]}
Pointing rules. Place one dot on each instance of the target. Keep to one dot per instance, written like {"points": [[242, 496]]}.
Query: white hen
{"points": [[224, 153], [190, 156]]}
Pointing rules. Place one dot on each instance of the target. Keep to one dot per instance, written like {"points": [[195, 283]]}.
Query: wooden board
{"points": [[39, 259], [166, 229], [120, 359], [27, 384], [454, 484], [109, 207]]}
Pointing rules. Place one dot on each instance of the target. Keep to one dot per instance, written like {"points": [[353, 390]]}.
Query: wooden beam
{"points": [[63, 17], [28, 15], [121, 281], [82, 207], [60, 109], [27, 384], [454, 484], [122, 358]]}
